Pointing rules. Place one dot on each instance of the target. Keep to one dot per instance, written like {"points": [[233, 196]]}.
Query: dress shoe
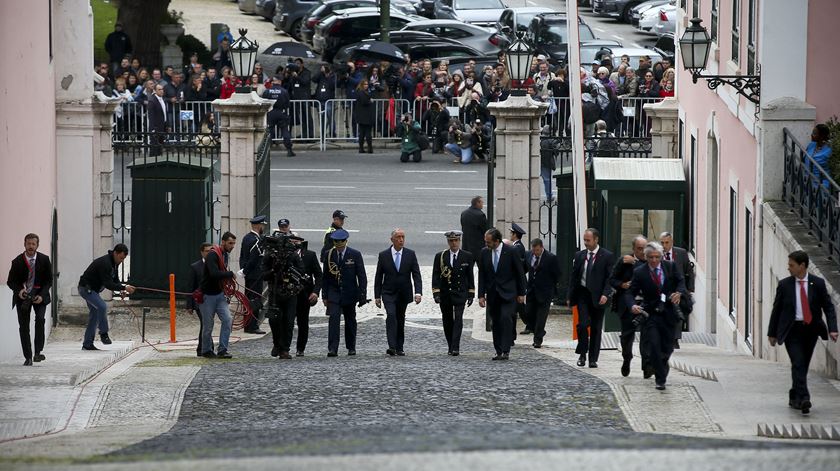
{"points": [[455, 353], [647, 372], [284, 356], [806, 407], [275, 351], [208, 355], [526, 332], [39, 357], [258, 332], [105, 339], [299, 353], [581, 360], [362, 151], [795, 404], [400, 353], [289, 153], [593, 364], [224, 355], [391, 351], [625, 368], [449, 353], [89, 347], [505, 356], [660, 386], [676, 344], [497, 357], [351, 353], [537, 344], [332, 354], [27, 362]]}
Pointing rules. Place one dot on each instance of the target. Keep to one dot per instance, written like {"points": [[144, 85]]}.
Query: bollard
{"points": [[172, 307], [143, 325]]}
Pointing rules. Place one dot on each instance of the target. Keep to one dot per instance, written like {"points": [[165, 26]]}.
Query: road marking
{"points": [[618, 37], [319, 187], [457, 205], [529, 2], [638, 45], [307, 170], [321, 230], [598, 29], [342, 203], [435, 188], [440, 171]]}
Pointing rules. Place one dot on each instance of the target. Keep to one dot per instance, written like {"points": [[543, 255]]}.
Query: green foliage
{"points": [[190, 44], [104, 17], [172, 17], [834, 161]]}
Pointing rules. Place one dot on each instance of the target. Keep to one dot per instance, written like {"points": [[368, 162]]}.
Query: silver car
{"points": [[477, 12], [474, 36]]}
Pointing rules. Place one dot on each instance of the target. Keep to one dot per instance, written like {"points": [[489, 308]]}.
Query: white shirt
{"points": [[394, 253], [162, 105], [799, 315], [668, 256], [586, 263]]}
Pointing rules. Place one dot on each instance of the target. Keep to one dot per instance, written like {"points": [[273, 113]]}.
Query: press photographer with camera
{"points": [[283, 271], [460, 142], [434, 122], [30, 279], [661, 286], [409, 131]]}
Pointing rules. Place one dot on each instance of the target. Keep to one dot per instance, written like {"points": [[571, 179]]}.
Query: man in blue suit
{"points": [[661, 286], [344, 286], [395, 269], [796, 322], [501, 285]]}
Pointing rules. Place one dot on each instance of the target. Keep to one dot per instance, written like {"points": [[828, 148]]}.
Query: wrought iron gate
{"points": [[262, 182]]}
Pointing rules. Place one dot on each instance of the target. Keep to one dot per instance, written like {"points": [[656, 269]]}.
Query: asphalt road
{"points": [[378, 193]]}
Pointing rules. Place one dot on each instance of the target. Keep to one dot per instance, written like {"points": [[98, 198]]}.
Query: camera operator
{"points": [[481, 133], [435, 121], [408, 130], [30, 279], [284, 272], [460, 142], [475, 109], [661, 285]]}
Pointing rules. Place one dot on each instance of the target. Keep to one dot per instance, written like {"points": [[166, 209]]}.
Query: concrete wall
{"points": [[27, 146]]}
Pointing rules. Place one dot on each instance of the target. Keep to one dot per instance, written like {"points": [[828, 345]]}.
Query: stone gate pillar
{"points": [[664, 128]]}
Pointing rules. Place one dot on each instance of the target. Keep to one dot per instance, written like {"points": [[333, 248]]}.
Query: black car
{"points": [[347, 26], [550, 32], [265, 8], [289, 14], [665, 46], [322, 10]]}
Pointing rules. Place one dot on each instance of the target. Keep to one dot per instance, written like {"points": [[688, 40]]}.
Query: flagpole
{"points": [[578, 153]]}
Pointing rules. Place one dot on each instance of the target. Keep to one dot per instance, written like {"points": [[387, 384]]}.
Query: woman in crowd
{"points": [[229, 82], [667, 88], [256, 84], [365, 114]]}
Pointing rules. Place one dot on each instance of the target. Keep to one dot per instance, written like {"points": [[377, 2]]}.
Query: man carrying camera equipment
{"points": [[408, 130], [308, 296], [279, 114], [283, 270], [661, 286], [30, 279], [345, 285], [101, 274], [250, 265], [453, 287], [212, 298], [620, 281]]}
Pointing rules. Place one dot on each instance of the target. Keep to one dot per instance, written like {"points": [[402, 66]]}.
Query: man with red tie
{"points": [[796, 322]]}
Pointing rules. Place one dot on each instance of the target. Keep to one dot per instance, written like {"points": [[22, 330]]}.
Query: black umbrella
{"points": [[291, 49], [378, 50]]}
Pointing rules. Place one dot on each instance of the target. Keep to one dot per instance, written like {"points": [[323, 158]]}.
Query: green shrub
{"points": [[190, 44]]}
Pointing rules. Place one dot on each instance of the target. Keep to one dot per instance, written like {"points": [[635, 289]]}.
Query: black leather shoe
{"points": [[258, 332], [647, 372], [351, 353], [581, 360], [794, 404], [455, 353], [39, 357], [391, 351], [289, 153], [299, 353], [676, 344], [660, 386], [105, 339], [505, 356], [537, 344], [27, 362], [89, 347], [400, 353], [284, 356], [497, 357], [208, 355], [526, 332], [224, 355], [593, 364], [806, 407], [274, 351], [625, 368], [449, 353], [332, 354]]}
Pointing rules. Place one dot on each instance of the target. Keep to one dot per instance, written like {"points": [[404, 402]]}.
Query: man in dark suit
{"points": [[453, 287], [156, 109], [797, 320], [196, 273], [395, 269], [250, 263], [679, 256], [30, 279], [516, 233], [345, 286], [590, 291], [620, 280], [661, 286], [543, 275], [501, 284], [473, 226], [308, 297]]}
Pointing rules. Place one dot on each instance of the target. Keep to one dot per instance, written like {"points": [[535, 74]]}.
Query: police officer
{"points": [[453, 287], [516, 233], [279, 114], [345, 286], [250, 263], [338, 223]]}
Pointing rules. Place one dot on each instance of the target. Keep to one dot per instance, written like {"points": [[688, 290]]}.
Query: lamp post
{"points": [[694, 50], [243, 55], [519, 54]]}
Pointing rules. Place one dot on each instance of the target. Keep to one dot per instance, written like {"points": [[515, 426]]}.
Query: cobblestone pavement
{"points": [[255, 405]]}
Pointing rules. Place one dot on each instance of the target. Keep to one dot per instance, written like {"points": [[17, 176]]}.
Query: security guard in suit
{"points": [[279, 114], [250, 263], [516, 233], [453, 287], [344, 286], [338, 223], [620, 280]]}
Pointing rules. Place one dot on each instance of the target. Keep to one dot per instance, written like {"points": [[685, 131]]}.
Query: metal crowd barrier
{"points": [[630, 120], [339, 121], [181, 118]]}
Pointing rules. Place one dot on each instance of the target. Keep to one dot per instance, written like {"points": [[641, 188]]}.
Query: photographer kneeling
{"points": [[408, 130], [460, 142]]}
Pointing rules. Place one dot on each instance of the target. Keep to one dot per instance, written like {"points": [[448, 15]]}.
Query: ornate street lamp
{"points": [[519, 54], [694, 49], [243, 56]]}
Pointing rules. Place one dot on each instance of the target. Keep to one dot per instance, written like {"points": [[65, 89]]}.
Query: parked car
{"points": [[667, 22], [648, 20], [289, 15], [636, 12], [665, 46], [346, 26], [474, 36], [478, 12], [329, 7], [247, 6], [550, 32], [518, 19], [620, 9], [430, 47], [589, 49], [265, 8], [634, 53]]}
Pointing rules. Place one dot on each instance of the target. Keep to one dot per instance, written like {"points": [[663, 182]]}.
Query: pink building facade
{"points": [[732, 153]]}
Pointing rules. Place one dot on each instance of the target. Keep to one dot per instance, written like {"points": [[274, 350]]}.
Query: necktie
{"points": [[397, 261], [495, 260], [535, 262], [454, 259], [30, 280], [340, 257], [659, 277], [589, 262], [803, 299], [668, 256]]}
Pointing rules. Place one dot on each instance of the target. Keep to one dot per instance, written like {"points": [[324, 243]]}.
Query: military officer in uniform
{"points": [[344, 286], [283, 226], [516, 233], [279, 114], [250, 263], [453, 287], [338, 223]]}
